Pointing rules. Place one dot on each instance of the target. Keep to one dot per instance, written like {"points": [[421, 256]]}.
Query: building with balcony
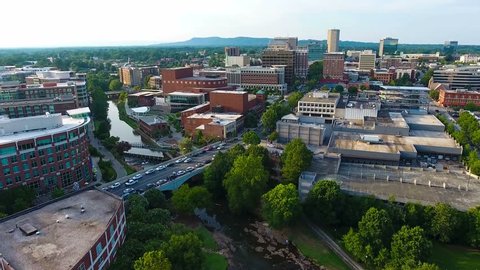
{"points": [[44, 152], [80, 231], [467, 77]]}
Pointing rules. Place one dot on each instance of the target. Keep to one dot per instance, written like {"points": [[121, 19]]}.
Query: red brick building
{"points": [[203, 108], [460, 98], [333, 66], [236, 101], [384, 76], [151, 125], [182, 80], [214, 125]]}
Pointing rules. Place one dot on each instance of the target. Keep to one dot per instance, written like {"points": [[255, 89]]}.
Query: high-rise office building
{"points": [[291, 41], [366, 60], [301, 63], [232, 51], [467, 77], [388, 46], [333, 66], [450, 47], [333, 40], [280, 54], [315, 51]]}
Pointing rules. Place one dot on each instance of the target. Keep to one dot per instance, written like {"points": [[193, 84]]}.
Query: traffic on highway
{"points": [[165, 172]]}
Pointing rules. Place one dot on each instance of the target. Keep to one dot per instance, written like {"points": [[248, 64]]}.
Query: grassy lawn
{"points": [[450, 257], [310, 246], [207, 238], [214, 261]]}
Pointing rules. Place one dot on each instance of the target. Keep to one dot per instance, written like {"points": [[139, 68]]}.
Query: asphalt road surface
{"points": [[199, 160]]}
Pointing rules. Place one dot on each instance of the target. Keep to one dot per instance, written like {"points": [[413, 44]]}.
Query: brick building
{"points": [[333, 66], [385, 76], [460, 98], [182, 80], [236, 101], [151, 125], [214, 125], [44, 152], [81, 231]]}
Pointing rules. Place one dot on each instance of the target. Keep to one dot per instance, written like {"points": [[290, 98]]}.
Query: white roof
{"points": [[82, 110], [141, 109], [185, 94]]}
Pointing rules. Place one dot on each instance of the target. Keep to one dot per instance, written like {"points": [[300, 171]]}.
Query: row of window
{"points": [[10, 150]]}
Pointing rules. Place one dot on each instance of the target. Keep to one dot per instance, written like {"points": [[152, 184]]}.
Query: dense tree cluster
{"points": [[154, 241], [251, 138], [15, 200], [385, 235], [186, 199], [274, 113], [281, 205], [295, 158]]}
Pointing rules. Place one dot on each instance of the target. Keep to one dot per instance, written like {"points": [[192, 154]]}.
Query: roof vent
{"points": [[28, 229]]}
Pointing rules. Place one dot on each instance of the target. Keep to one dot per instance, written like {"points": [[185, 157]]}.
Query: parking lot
{"points": [[424, 185]]}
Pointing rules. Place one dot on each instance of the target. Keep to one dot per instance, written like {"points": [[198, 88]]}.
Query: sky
{"points": [[59, 23]]}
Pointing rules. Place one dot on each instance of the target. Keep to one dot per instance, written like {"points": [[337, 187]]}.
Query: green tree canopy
{"points": [[338, 88], [426, 77], [315, 71], [245, 183], [250, 137], [322, 201], [445, 223], [281, 205], [184, 251], [473, 234], [185, 145], [214, 174], [273, 136], [293, 99], [409, 247], [434, 94], [295, 159], [153, 260], [186, 199], [352, 90], [155, 198], [115, 85]]}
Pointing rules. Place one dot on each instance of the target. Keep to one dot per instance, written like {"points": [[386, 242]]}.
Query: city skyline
{"points": [[107, 23]]}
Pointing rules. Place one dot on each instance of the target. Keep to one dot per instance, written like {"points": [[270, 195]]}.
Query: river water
{"points": [[119, 128]]}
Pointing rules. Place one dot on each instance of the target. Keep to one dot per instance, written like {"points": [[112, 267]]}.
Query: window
{"points": [[81, 267], [43, 142], [8, 150], [99, 249], [6, 171], [15, 169], [112, 231], [4, 161]]}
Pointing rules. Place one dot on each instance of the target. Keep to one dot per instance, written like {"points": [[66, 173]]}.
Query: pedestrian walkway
{"points": [[332, 245], [117, 166]]}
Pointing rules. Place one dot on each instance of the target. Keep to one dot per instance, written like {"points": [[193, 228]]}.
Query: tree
{"points": [[352, 90], [155, 198], [295, 159], [434, 94], [186, 199], [250, 137], [315, 71], [445, 223], [185, 145], [184, 251], [214, 174], [251, 120], [273, 136], [323, 201], [473, 234], [409, 247], [115, 85], [57, 193], [281, 205], [363, 87], [294, 98], [260, 151], [426, 78], [471, 107], [245, 183], [153, 260], [19, 204], [269, 119], [338, 88]]}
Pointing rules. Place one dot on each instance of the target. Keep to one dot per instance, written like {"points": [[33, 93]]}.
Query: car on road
{"points": [[198, 165], [180, 160], [131, 182], [161, 167], [208, 161], [213, 157], [150, 185], [160, 182], [105, 188], [208, 148], [115, 185], [150, 171], [138, 176], [128, 190], [181, 172], [187, 160], [139, 190], [189, 169], [219, 147]]}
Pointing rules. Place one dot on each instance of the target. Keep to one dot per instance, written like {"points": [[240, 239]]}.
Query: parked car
{"points": [[131, 182], [161, 167], [161, 181], [189, 169], [181, 172], [150, 185], [115, 185], [150, 171], [187, 160]]}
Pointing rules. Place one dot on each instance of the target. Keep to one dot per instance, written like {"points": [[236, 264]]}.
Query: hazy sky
{"points": [[40, 23]]}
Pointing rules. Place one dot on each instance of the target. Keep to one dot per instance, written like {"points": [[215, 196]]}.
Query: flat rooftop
{"points": [[229, 92], [328, 97], [58, 245], [186, 94], [405, 88], [68, 123], [426, 119], [353, 141], [203, 79], [221, 116]]}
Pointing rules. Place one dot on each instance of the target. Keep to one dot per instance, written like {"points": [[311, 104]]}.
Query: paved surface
{"points": [[332, 245], [165, 173], [117, 166]]}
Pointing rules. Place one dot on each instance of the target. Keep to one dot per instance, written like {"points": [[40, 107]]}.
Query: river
{"points": [[119, 128]]}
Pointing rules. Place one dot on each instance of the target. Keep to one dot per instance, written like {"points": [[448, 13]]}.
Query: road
{"points": [[332, 245], [117, 166], [165, 173]]}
